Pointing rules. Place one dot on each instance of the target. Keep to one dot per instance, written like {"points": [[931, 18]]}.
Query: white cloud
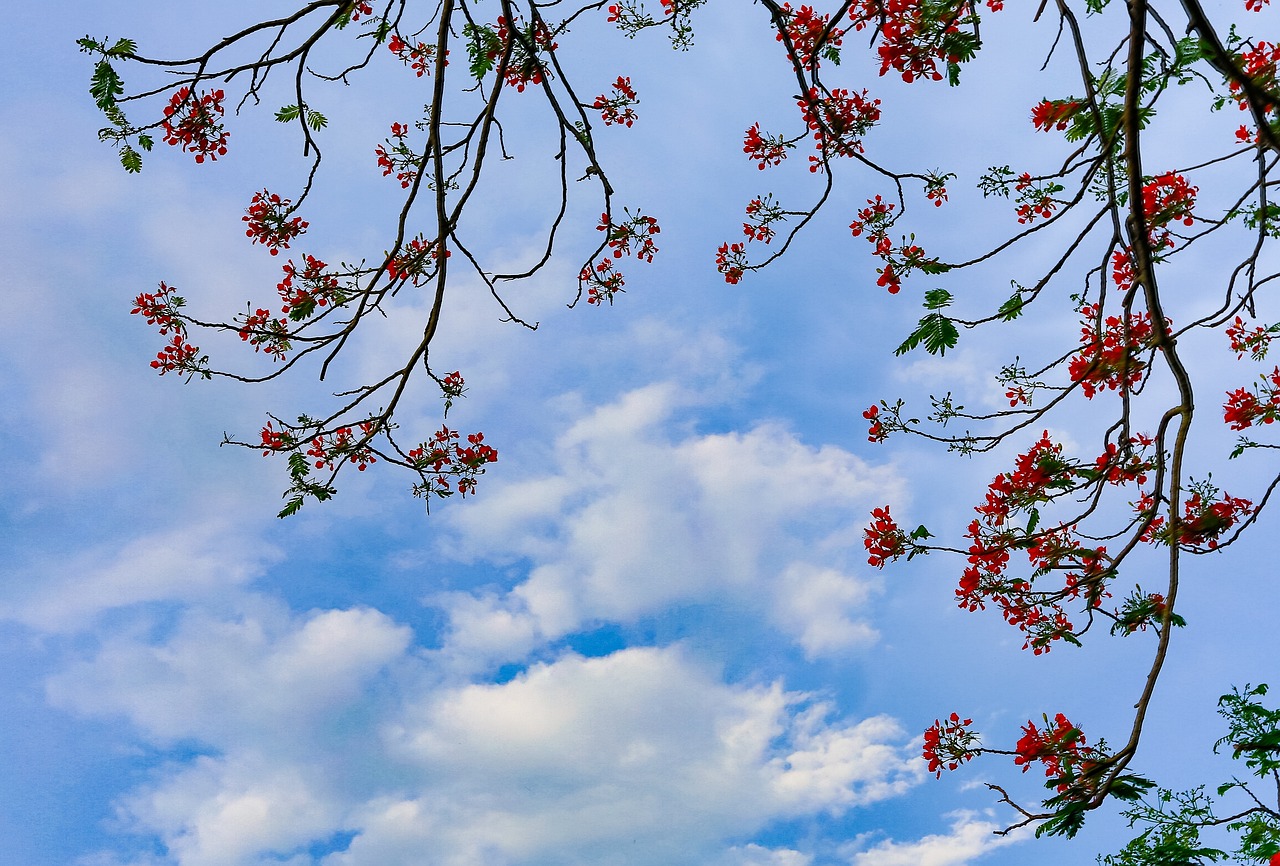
{"points": [[758, 855], [194, 561], [969, 839], [636, 518], [642, 756], [645, 756], [262, 678], [247, 809]]}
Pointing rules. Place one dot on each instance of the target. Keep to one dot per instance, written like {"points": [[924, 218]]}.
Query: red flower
{"points": [[1054, 114], [769, 150], [949, 744], [884, 540], [269, 222], [617, 109], [195, 123]]}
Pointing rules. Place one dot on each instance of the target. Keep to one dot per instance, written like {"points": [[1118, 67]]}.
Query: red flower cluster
{"points": [[525, 67], [1260, 406], [1255, 342], [935, 188], [453, 385], [1207, 513], [874, 219], [443, 457], [899, 262], [638, 230], [915, 36], [195, 122], [341, 445], [1122, 270], [804, 28], [876, 432], [361, 7], [731, 260], [176, 355], [949, 744], [617, 108], [839, 120], [1167, 198], [884, 540], [269, 222], [304, 290], [162, 308], [1060, 748], [1054, 114], [1259, 64], [1129, 465], [1108, 360], [763, 212], [1035, 200], [416, 57], [1205, 520], [415, 261], [602, 283], [265, 333], [397, 157], [769, 150], [1040, 475], [274, 440]]}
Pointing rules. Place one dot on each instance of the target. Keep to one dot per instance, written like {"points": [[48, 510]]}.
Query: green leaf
{"points": [[130, 159], [1012, 308], [288, 113], [483, 47], [1033, 520], [105, 85], [936, 299], [145, 141], [920, 533], [316, 120], [299, 465], [1130, 787], [935, 331], [122, 48], [1066, 822]]}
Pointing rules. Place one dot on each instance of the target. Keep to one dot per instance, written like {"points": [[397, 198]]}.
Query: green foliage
{"points": [[1253, 730], [1173, 835], [483, 48], [1173, 820], [302, 487], [106, 86], [1260, 837], [1012, 308], [962, 45], [313, 118], [997, 181], [935, 331], [130, 159], [1066, 821]]}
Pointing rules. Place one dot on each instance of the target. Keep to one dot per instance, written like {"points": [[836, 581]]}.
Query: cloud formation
{"points": [[640, 515], [644, 756]]}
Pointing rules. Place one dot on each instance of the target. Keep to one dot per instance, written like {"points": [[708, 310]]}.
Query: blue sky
{"points": [[652, 637]]}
